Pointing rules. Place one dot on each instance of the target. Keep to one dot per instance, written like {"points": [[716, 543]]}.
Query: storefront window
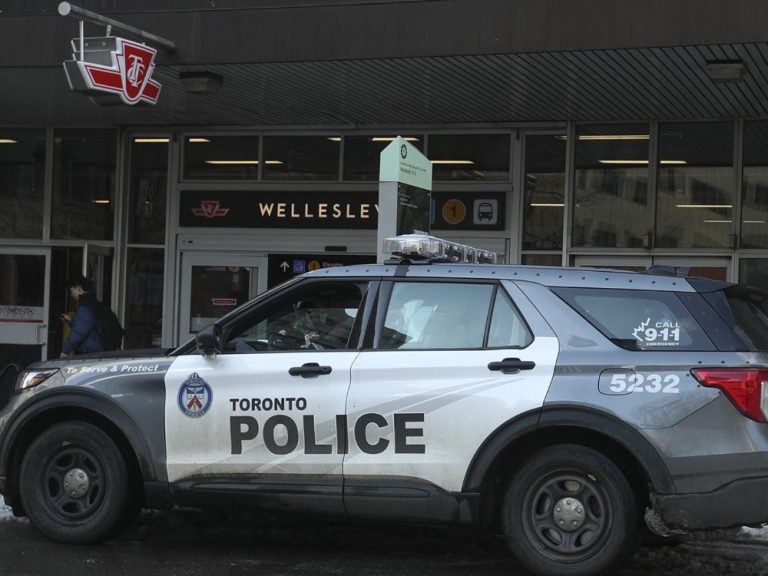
{"points": [[542, 259], [361, 155], [22, 157], [470, 156], [22, 308], [83, 185], [754, 232], [148, 191], [301, 157], [144, 298], [695, 185], [544, 200], [754, 271], [217, 157], [611, 204]]}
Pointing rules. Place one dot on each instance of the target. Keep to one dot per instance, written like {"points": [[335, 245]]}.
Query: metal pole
{"points": [[66, 9]]}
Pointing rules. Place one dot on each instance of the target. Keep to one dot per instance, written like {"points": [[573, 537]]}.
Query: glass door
{"points": [[24, 298], [97, 265], [213, 283]]}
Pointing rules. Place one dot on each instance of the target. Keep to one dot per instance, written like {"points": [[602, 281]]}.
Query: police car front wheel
{"points": [[74, 485], [569, 511]]}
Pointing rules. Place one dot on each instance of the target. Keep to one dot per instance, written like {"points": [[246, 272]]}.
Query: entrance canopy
{"points": [[379, 63]]}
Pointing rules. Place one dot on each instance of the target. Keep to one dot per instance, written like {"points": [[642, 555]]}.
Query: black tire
{"points": [[569, 511], [74, 484]]}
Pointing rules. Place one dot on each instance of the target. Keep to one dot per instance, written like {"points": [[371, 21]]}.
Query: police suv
{"points": [[573, 410]]}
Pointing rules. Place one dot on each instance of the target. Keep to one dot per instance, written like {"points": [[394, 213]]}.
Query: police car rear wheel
{"points": [[74, 484], [569, 511]]}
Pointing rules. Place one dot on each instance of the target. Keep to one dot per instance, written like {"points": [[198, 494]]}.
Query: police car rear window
{"points": [[745, 311], [639, 319]]}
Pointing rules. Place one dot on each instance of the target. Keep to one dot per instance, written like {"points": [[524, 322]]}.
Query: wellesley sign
{"points": [[249, 209]]}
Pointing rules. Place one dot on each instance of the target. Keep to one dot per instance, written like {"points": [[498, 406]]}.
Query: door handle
{"points": [[511, 365], [309, 370]]}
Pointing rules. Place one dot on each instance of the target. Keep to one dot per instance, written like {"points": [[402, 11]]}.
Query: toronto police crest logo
{"points": [[195, 396]]}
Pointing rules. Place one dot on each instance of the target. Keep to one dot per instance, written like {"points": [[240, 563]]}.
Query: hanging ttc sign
{"points": [[113, 70]]}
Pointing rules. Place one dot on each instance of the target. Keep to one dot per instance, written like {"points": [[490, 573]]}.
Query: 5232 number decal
{"points": [[651, 383]]}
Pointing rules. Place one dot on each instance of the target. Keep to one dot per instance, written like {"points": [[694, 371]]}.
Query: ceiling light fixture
{"points": [[643, 162], [712, 206], [614, 137], [240, 162], [201, 82], [151, 140], [457, 162], [724, 71], [589, 137], [197, 140], [392, 138], [8, 141], [546, 205]]}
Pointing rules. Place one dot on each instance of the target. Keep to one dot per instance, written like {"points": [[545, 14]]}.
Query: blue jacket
{"points": [[83, 330]]}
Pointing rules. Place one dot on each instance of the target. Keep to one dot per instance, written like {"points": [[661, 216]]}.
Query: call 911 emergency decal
{"points": [[195, 396], [657, 333]]}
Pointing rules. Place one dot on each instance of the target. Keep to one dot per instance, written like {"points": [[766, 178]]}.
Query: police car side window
{"points": [[436, 315], [639, 319], [508, 329], [311, 317]]}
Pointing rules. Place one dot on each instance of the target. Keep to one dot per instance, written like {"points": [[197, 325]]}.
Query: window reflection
{"points": [[83, 184], [220, 157], [144, 297], [754, 271], [695, 185], [544, 201], [148, 187], [22, 282], [301, 158], [22, 157], [611, 208], [470, 156], [755, 186], [541, 259]]}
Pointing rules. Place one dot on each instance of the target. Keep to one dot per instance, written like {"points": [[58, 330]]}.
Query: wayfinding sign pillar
{"points": [[405, 185]]}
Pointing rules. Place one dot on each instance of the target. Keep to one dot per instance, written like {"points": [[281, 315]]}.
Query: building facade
{"points": [[620, 134]]}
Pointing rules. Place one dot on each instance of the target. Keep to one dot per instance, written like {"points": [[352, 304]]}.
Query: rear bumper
{"points": [[740, 503]]}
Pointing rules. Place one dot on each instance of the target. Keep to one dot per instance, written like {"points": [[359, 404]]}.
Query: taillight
{"points": [[745, 387]]}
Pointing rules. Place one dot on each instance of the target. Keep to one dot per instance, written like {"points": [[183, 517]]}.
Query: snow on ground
{"points": [[5, 512], [746, 533], [755, 533]]}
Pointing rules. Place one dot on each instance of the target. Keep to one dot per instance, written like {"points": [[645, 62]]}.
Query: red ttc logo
{"points": [[130, 76]]}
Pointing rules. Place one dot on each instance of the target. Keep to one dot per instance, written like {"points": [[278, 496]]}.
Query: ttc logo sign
{"points": [[114, 70]]}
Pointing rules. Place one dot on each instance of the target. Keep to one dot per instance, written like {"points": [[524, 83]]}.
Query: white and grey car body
{"points": [[425, 435]]}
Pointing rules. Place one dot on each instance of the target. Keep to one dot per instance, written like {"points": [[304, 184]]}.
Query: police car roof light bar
{"points": [[425, 249]]}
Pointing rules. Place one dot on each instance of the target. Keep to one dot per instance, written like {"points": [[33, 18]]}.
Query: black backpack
{"points": [[110, 333]]}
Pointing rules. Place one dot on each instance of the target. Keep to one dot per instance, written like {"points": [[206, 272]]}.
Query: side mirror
{"points": [[209, 340]]}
